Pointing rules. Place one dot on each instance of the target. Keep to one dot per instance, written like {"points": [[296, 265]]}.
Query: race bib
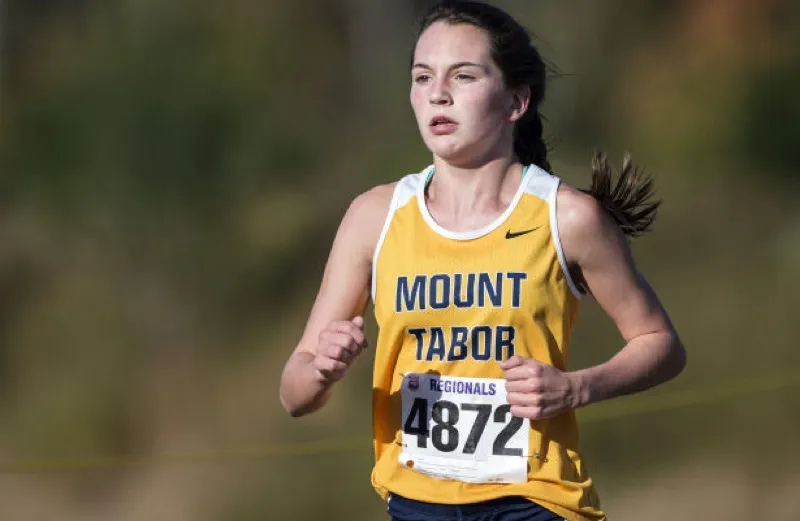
{"points": [[462, 429]]}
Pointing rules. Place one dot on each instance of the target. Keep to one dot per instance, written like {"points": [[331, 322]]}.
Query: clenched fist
{"points": [[536, 390], [339, 345]]}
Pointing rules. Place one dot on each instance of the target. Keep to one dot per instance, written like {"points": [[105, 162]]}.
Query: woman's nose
{"points": [[440, 94]]}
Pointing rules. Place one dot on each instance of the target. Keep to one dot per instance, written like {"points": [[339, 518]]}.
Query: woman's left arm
{"points": [[601, 260]]}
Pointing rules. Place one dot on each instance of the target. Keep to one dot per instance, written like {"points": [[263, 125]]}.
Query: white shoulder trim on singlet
{"points": [[545, 186], [403, 192]]}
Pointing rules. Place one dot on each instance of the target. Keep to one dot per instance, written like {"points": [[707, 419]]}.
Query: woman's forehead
{"points": [[444, 43]]}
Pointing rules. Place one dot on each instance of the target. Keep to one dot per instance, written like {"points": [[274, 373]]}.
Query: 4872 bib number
{"points": [[444, 434], [462, 428]]}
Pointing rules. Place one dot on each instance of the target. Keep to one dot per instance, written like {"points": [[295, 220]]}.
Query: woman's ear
{"points": [[520, 101]]}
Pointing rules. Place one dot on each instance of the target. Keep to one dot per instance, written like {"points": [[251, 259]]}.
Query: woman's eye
{"points": [[422, 78], [464, 77]]}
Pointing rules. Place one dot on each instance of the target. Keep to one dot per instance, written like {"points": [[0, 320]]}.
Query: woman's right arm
{"points": [[334, 333]]}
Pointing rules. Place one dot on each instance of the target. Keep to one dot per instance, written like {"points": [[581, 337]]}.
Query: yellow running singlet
{"points": [[450, 307]]}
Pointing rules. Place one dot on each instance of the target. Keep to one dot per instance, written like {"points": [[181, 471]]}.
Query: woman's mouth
{"points": [[442, 125]]}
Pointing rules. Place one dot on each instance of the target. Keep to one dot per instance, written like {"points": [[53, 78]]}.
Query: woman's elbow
{"points": [[294, 410], [677, 358]]}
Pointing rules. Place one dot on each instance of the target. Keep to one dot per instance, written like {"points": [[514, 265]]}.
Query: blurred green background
{"points": [[171, 176]]}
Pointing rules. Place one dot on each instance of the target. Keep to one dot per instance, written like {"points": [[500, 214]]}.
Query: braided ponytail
{"points": [[529, 142], [629, 201]]}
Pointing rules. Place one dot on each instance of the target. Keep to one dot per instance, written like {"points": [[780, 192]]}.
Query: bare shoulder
{"points": [[582, 223], [579, 210], [373, 202], [365, 216]]}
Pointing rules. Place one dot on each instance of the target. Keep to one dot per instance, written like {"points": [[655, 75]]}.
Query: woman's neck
{"points": [[462, 199]]}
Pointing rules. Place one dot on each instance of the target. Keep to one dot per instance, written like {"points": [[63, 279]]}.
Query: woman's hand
{"points": [[536, 390], [339, 345]]}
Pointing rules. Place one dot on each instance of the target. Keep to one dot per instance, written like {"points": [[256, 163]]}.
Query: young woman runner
{"points": [[476, 267]]}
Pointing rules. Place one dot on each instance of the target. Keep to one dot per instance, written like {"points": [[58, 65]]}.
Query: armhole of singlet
{"points": [[562, 259], [384, 231]]}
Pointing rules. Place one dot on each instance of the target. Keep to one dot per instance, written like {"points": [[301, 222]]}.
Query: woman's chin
{"points": [[462, 157], [452, 153]]}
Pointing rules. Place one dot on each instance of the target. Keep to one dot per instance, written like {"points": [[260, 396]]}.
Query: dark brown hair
{"points": [[628, 201]]}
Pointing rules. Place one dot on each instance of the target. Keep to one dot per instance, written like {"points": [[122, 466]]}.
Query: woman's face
{"points": [[463, 109]]}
